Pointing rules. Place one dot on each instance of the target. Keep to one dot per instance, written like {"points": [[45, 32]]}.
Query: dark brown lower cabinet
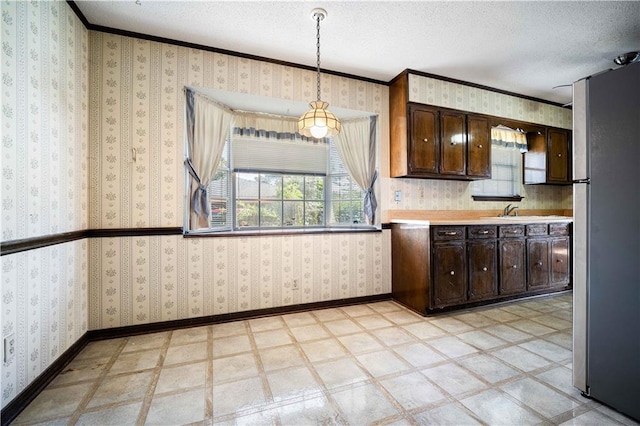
{"points": [[449, 266], [560, 274], [512, 264], [449, 275], [538, 263], [483, 277]]}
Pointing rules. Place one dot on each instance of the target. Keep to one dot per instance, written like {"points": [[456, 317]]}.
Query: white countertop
{"points": [[509, 220]]}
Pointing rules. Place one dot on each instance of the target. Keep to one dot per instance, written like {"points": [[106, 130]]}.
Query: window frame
{"points": [[231, 228]]}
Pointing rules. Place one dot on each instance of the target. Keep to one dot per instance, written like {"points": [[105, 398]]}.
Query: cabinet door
{"points": [[478, 147], [449, 269], [453, 145], [560, 261], [482, 257], [558, 156], [512, 273], [538, 263], [423, 150]]}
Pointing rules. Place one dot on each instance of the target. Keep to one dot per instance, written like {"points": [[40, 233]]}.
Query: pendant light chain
{"points": [[318, 17]]}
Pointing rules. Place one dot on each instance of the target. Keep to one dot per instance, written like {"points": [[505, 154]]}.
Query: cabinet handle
{"points": [[450, 233], [485, 232], [512, 232], [425, 140], [452, 272], [484, 269]]}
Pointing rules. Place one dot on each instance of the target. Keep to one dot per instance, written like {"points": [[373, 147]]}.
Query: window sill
{"points": [[497, 197], [272, 232]]}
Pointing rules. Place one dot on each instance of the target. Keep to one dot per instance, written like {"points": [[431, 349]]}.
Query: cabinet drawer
{"points": [[482, 232], [559, 229], [445, 233], [537, 229], [511, 231]]}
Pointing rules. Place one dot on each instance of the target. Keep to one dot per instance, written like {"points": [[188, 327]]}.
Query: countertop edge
{"points": [[512, 220]]}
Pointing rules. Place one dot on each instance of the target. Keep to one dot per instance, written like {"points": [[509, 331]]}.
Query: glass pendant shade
{"points": [[318, 122]]}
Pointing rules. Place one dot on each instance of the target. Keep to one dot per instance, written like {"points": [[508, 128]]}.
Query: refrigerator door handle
{"points": [[587, 181]]}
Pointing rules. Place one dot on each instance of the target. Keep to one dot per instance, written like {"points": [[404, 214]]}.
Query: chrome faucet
{"points": [[509, 209]]}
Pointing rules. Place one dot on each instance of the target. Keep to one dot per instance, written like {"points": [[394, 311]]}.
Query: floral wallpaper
{"points": [[137, 180], [44, 292], [92, 138], [136, 115], [138, 280]]}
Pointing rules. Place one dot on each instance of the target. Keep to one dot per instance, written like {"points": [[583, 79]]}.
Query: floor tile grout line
{"points": [[98, 382], [149, 395]]}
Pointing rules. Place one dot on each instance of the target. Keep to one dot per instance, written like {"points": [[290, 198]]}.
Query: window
{"points": [[264, 182], [346, 195], [265, 200], [506, 165]]}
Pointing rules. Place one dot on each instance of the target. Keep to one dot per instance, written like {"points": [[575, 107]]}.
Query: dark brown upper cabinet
{"points": [[436, 143], [548, 160], [478, 147]]}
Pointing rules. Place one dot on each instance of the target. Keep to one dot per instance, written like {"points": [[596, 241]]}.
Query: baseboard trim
{"points": [[133, 330], [28, 394]]}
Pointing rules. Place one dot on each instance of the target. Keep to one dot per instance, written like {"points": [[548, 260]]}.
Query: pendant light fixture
{"points": [[318, 122]]}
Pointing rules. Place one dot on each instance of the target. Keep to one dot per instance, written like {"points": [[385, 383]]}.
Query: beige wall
{"points": [[45, 72], [137, 102], [75, 104]]}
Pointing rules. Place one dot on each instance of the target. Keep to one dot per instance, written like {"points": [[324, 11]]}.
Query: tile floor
{"points": [[375, 363]]}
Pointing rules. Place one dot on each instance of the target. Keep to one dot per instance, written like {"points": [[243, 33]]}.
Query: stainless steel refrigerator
{"points": [[606, 244]]}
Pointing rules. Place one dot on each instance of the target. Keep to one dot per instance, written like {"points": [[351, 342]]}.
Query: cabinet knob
{"points": [[452, 272], [425, 140], [559, 155], [515, 266], [480, 146], [484, 269], [453, 143], [560, 261], [539, 263]]}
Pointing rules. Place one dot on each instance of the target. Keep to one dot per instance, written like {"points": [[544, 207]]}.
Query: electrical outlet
{"points": [[398, 196], [295, 285], [9, 347]]}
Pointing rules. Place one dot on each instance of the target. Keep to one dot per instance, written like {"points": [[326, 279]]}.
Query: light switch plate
{"points": [[398, 196]]}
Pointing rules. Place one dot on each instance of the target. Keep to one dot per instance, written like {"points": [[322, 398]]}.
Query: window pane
{"points": [[314, 188], [293, 213], [314, 213], [340, 187], [270, 187], [247, 185], [270, 213], [247, 213], [293, 188], [218, 213]]}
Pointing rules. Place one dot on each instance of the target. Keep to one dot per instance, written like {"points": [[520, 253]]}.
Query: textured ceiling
{"points": [[526, 47]]}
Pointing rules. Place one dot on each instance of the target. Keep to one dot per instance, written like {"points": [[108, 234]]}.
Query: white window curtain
{"points": [[207, 126], [356, 145], [508, 138]]}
